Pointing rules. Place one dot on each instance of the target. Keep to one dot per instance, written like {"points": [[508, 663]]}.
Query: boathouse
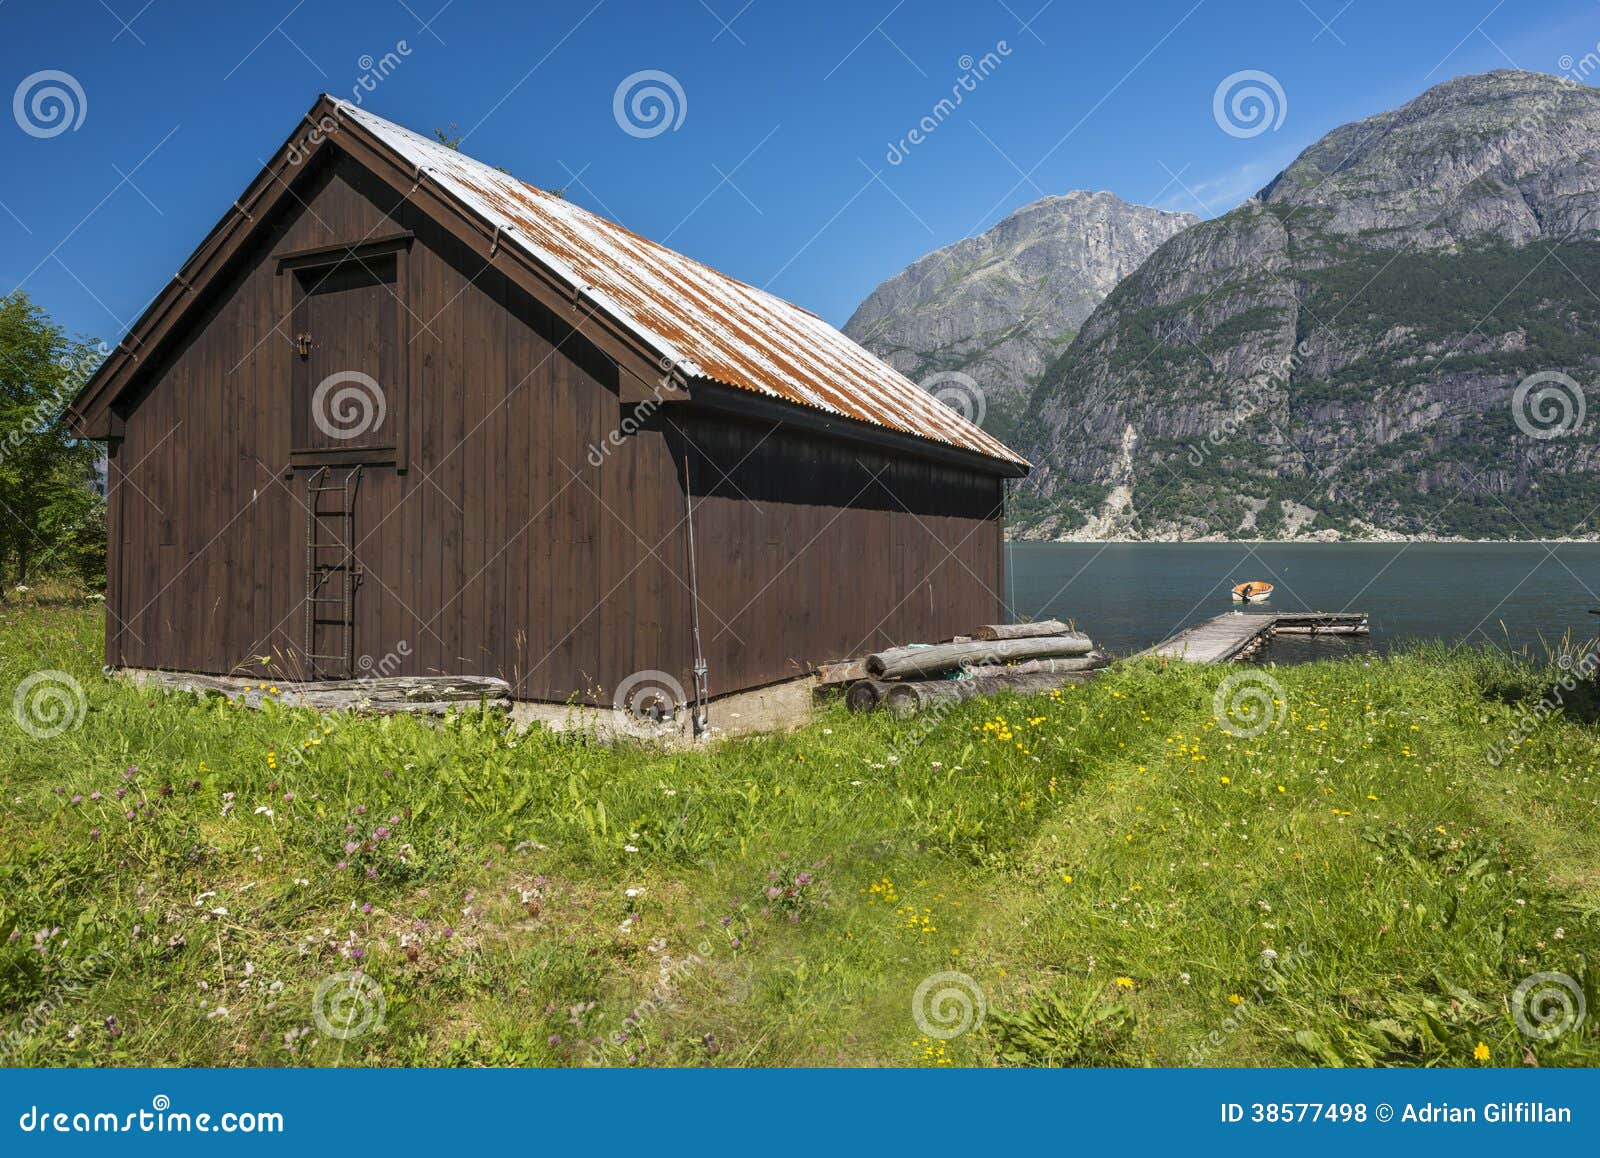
{"points": [[401, 413]]}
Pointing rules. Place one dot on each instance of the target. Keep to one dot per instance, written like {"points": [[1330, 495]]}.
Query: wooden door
{"points": [[348, 443], [349, 361]]}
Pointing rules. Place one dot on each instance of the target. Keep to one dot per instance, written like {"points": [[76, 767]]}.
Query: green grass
{"points": [[1109, 867]]}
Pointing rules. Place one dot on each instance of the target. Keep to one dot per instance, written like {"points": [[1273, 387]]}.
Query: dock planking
{"points": [[1238, 634]]}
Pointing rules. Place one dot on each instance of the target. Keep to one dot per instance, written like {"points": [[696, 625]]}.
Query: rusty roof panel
{"points": [[709, 324]]}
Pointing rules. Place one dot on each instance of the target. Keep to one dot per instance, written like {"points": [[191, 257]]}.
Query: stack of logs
{"points": [[1021, 657]]}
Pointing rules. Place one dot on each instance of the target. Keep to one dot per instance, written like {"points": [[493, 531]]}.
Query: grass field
{"points": [[1107, 876]]}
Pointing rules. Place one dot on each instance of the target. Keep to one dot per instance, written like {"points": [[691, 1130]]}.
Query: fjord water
{"points": [[1130, 595]]}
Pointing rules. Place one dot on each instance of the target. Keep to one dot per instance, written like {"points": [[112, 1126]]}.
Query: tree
{"points": [[52, 519]]}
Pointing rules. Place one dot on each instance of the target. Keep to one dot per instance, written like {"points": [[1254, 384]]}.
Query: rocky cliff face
{"points": [[1349, 353], [999, 306]]}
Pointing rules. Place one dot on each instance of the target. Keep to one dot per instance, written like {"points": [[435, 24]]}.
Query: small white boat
{"points": [[1252, 592]]}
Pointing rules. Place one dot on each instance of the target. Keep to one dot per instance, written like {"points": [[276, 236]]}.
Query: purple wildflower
{"points": [[77, 798], [350, 846], [367, 908], [94, 834]]}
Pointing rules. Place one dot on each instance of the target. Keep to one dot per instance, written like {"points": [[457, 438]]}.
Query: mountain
{"points": [[999, 306], [1349, 353]]}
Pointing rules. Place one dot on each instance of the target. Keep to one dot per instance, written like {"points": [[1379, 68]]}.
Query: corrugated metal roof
{"points": [[709, 324]]}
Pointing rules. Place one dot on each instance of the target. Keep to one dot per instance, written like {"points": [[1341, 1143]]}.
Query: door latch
{"points": [[302, 345]]}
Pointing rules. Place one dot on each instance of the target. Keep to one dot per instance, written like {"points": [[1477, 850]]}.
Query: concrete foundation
{"points": [[778, 707]]}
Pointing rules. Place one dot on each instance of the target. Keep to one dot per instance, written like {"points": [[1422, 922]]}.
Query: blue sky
{"points": [[777, 170]]}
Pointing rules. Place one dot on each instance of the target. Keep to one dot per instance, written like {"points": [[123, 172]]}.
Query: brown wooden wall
{"points": [[503, 548], [811, 549]]}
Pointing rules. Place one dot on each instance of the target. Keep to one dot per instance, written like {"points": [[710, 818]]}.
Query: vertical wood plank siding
{"points": [[499, 543]]}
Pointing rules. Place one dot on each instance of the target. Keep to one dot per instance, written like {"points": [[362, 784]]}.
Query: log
{"points": [[906, 662], [841, 673], [911, 697], [1021, 630], [865, 695], [1060, 664]]}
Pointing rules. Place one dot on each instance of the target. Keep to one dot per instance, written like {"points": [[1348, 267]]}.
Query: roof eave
{"points": [[721, 398]]}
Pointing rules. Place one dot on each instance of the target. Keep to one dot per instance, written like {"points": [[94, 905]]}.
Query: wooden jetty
{"points": [[1240, 634]]}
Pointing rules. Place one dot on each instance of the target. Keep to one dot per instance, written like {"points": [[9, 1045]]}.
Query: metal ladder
{"points": [[331, 573]]}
